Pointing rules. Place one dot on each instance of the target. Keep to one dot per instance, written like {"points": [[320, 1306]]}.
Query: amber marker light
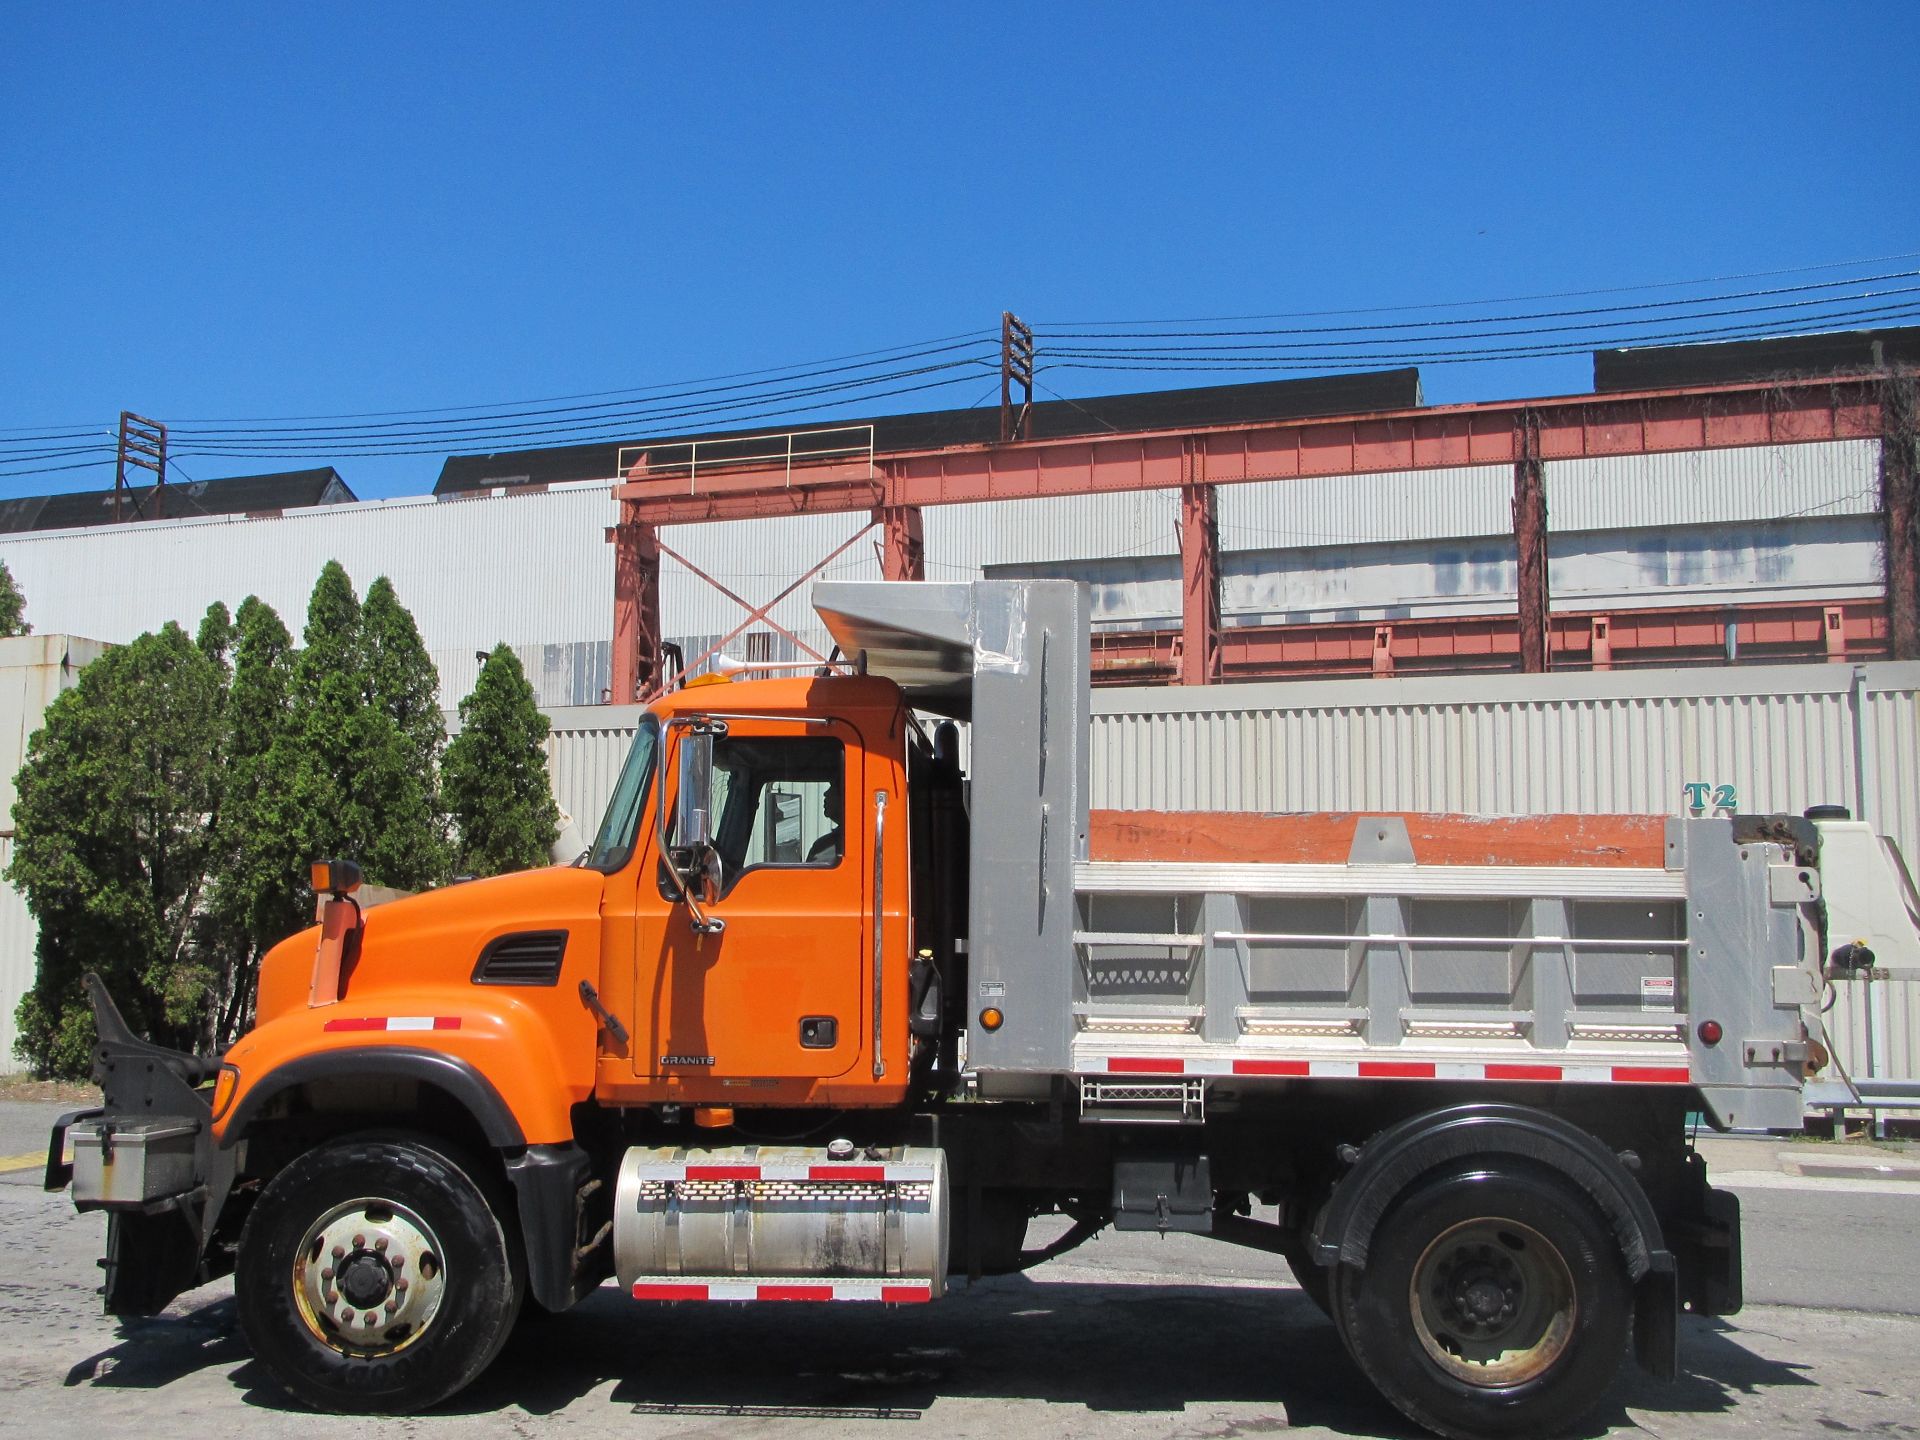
{"points": [[991, 1019], [225, 1084], [335, 877]]}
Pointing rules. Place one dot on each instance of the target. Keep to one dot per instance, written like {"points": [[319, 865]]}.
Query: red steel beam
{"points": [[1530, 543], [1854, 630], [904, 554], [1199, 584], [636, 604], [1568, 427], [1900, 515]]}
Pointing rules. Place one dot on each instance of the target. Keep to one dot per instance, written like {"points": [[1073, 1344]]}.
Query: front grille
{"points": [[531, 957]]}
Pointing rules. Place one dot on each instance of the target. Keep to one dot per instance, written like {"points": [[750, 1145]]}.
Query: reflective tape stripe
{"points": [[1395, 1070], [1118, 1065], [722, 1172], [830, 1173], [1523, 1072], [1650, 1075], [890, 1292], [1356, 1069], [393, 1022]]}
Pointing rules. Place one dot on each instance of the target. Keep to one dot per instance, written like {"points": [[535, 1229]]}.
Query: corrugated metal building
{"points": [[530, 568], [33, 670]]}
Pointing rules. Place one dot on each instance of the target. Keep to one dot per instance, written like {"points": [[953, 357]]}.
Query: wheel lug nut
{"points": [[339, 1252], [332, 1295], [326, 1272], [346, 1314], [400, 1284], [370, 1319], [392, 1305], [380, 1245], [399, 1262], [359, 1242]]}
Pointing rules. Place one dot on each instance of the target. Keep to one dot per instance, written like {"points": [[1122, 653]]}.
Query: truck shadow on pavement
{"points": [[1103, 1347]]}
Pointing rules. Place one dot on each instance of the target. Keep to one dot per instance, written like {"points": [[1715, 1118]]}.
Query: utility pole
{"points": [[1016, 368], [143, 442]]}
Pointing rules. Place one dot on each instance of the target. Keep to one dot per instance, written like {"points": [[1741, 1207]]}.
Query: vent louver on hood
{"points": [[530, 957]]}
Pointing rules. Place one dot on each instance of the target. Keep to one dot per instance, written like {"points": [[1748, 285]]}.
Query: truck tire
{"points": [[376, 1275], [1494, 1303]]}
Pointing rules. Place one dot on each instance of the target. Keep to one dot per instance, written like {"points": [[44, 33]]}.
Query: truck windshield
{"points": [[613, 846]]}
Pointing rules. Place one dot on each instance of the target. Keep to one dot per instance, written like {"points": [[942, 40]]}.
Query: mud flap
{"points": [[150, 1259], [1656, 1324]]}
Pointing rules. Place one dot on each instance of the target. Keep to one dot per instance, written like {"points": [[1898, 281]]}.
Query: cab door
{"points": [[779, 992]]}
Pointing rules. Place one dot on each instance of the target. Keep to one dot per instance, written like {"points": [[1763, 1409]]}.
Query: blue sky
{"points": [[262, 211]]}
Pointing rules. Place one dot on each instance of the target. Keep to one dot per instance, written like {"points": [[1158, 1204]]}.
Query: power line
{"points": [[667, 394], [608, 437], [1176, 360], [56, 469], [603, 394], [1505, 319], [1507, 300], [1586, 335], [580, 432]]}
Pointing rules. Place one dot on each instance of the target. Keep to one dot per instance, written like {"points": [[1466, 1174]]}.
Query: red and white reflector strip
{"points": [[833, 1173], [392, 1022], [887, 1292], [1573, 1074]]}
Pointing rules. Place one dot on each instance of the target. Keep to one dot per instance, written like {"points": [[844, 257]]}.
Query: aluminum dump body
{"points": [[1167, 963]]}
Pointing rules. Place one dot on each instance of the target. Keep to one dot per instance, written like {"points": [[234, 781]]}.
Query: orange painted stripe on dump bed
{"points": [[1326, 838]]}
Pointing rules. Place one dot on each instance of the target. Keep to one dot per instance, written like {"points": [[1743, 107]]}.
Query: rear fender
{"points": [[1400, 1154]]}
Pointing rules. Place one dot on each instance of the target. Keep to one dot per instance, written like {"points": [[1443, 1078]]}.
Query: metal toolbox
{"points": [[127, 1164]]}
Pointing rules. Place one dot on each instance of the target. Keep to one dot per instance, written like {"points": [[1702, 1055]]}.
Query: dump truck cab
{"points": [[755, 899]]}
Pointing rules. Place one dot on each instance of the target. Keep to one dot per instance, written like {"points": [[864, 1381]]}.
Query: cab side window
{"points": [[778, 801]]}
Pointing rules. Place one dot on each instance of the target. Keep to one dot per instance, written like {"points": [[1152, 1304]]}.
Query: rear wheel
{"points": [[375, 1275], [1494, 1303]]}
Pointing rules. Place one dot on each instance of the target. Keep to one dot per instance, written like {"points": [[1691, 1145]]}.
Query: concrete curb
{"points": [[1849, 1167]]}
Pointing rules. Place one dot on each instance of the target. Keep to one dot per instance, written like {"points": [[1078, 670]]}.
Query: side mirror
{"points": [[692, 822]]}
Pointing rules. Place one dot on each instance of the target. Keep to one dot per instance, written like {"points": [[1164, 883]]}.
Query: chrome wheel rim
{"points": [[1493, 1302], [369, 1277]]}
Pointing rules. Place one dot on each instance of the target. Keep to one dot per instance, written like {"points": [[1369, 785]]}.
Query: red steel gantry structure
{"points": [[893, 488]]}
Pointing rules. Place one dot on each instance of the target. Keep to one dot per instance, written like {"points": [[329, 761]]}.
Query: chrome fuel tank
{"points": [[711, 1224]]}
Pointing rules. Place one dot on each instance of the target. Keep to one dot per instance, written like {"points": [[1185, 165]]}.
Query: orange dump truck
{"points": [[852, 985]]}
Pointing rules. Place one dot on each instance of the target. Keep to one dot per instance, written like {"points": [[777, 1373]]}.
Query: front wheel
{"points": [[1494, 1303], [375, 1276]]}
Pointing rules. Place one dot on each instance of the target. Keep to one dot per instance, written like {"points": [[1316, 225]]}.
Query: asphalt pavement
{"points": [[1129, 1336]]}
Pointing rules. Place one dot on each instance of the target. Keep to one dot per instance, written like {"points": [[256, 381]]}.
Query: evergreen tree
{"points": [[13, 605], [257, 889], [216, 637], [409, 847], [352, 780], [496, 773], [111, 846], [314, 760]]}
